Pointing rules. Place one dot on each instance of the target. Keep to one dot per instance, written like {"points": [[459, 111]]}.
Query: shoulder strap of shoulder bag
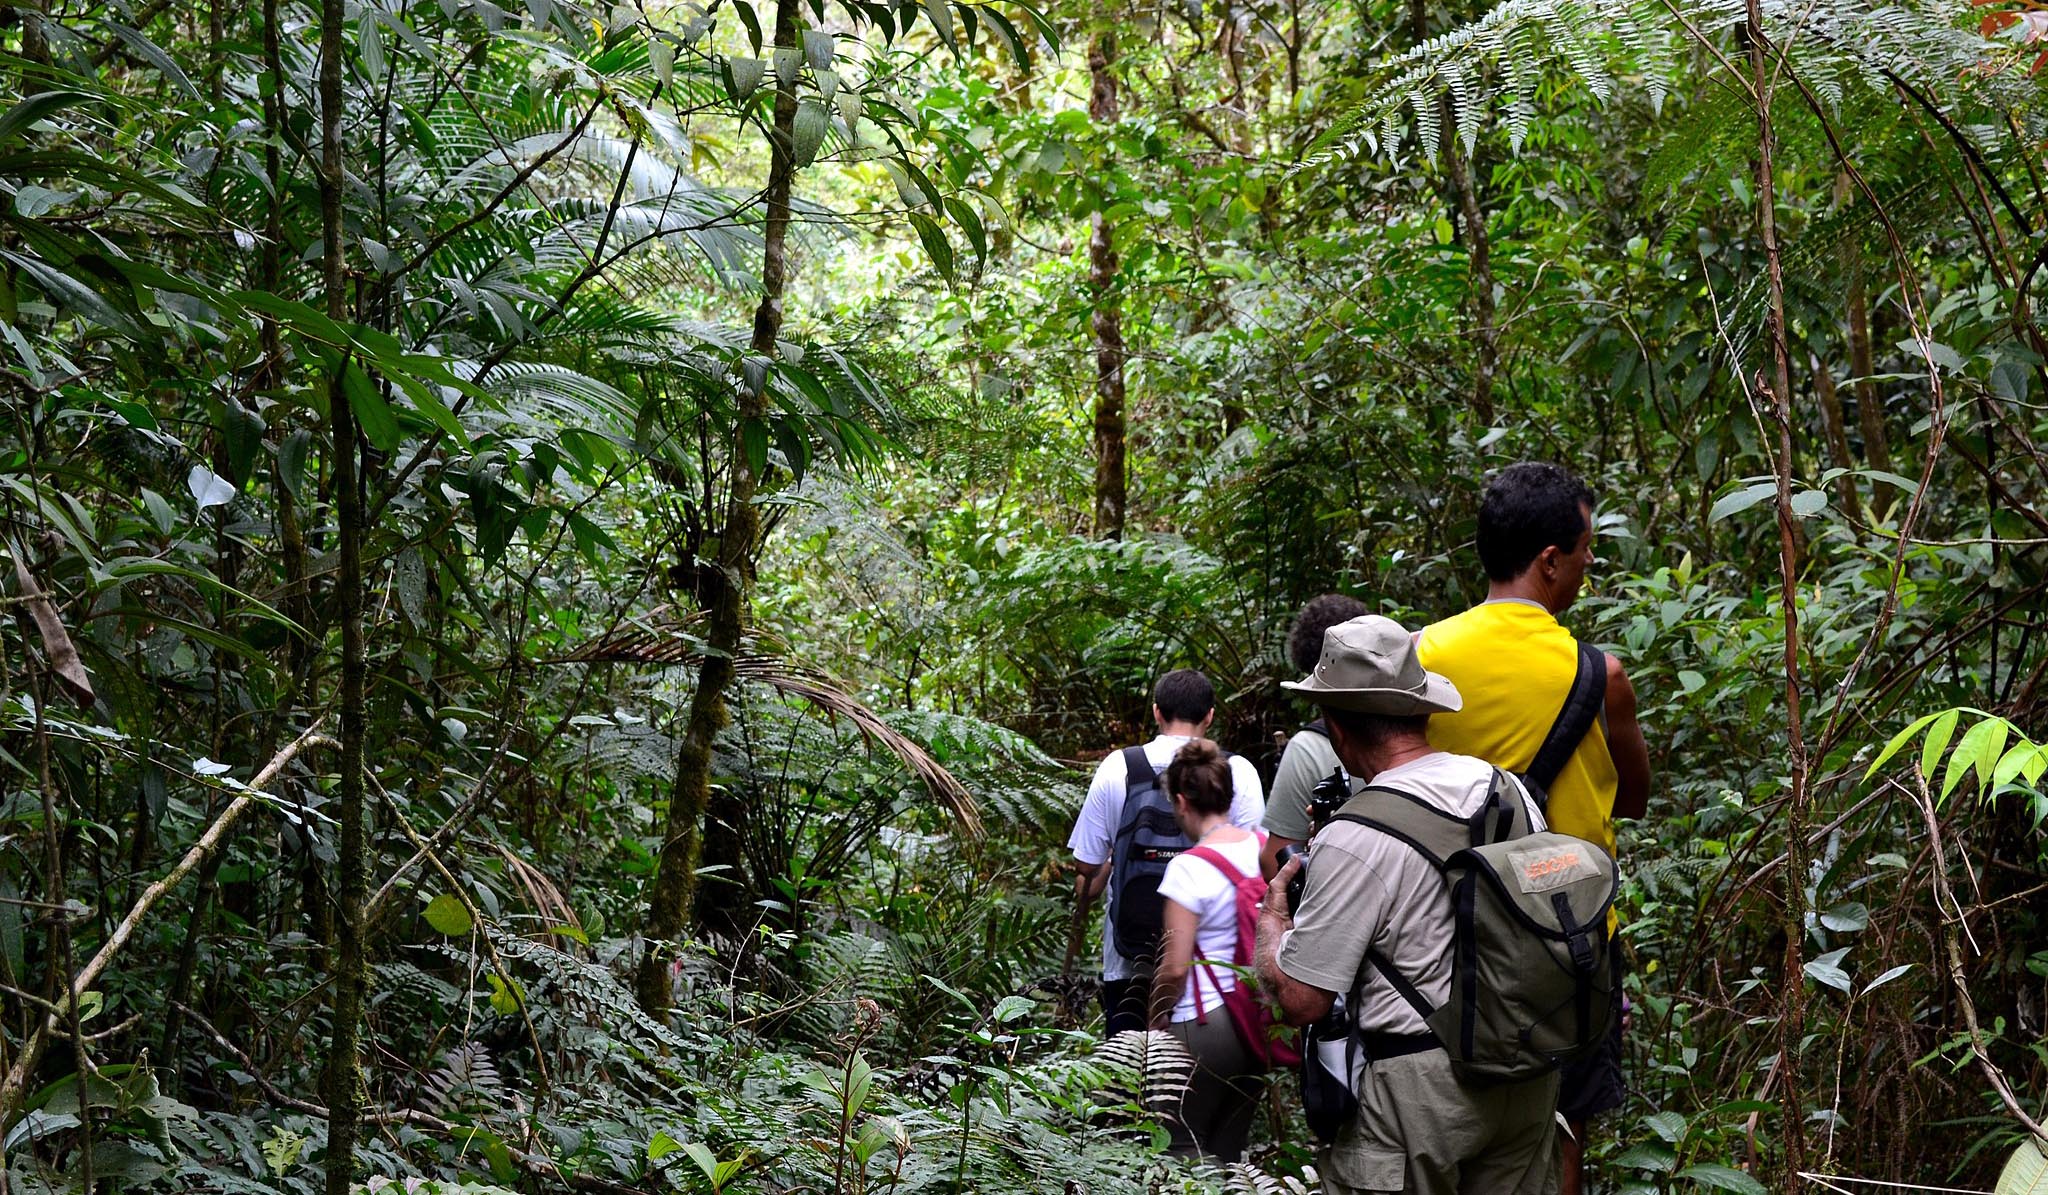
{"points": [[1582, 704]]}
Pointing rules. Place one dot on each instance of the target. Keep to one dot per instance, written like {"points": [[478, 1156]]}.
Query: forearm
{"points": [[1299, 1003], [1167, 984]]}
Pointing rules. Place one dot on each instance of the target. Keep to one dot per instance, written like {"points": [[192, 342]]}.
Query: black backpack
{"points": [[1147, 839]]}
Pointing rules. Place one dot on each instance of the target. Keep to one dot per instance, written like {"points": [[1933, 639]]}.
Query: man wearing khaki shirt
{"points": [[1419, 1127]]}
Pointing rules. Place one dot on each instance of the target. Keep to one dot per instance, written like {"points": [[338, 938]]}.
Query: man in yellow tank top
{"points": [[1514, 663]]}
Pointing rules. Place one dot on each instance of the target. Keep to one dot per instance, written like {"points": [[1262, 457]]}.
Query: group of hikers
{"points": [[1421, 890]]}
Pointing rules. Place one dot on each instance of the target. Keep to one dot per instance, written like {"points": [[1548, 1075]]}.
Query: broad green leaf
{"points": [[506, 999], [155, 56], [1010, 1008], [373, 414], [706, 1161], [936, 247], [743, 77], [2026, 1171], [819, 45], [942, 21], [1847, 917], [662, 1146], [1827, 969], [1981, 746], [31, 201], [1741, 500], [447, 915], [744, 9], [40, 106], [1889, 975], [1650, 1155], [1668, 1125], [662, 57], [808, 133], [209, 488], [1936, 742], [1808, 503], [789, 67], [1010, 36], [1899, 741], [964, 215], [1723, 1178]]}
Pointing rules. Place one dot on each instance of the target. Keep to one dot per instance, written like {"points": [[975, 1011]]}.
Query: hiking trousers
{"points": [[1215, 1114], [1422, 1131]]}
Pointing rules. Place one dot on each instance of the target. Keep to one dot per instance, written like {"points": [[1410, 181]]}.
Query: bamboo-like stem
{"points": [[1792, 1012], [349, 989]]}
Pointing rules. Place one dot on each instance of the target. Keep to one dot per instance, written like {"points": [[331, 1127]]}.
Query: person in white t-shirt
{"points": [[1195, 954], [1183, 704]]}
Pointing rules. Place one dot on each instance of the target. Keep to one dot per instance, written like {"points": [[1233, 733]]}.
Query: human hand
{"points": [[1275, 904]]}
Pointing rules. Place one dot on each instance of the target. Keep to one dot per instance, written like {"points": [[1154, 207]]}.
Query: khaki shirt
{"points": [[1370, 891]]}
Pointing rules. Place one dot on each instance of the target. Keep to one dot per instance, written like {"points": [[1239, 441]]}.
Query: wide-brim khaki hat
{"points": [[1369, 665]]}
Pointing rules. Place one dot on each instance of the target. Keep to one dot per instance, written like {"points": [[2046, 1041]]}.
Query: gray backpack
{"points": [[1531, 969]]}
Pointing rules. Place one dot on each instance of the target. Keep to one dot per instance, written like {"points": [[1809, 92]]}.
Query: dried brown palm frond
{"points": [[648, 641], [541, 892]]}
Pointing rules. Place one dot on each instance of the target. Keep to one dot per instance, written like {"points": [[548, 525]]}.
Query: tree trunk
{"points": [[675, 879], [1108, 321], [1792, 1011], [350, 973], [1869, 407], [1479, 259], [1837, 433]]}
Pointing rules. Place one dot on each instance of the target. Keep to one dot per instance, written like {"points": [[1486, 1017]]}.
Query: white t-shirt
{"points": [[1095, 830], [1196, 885]]}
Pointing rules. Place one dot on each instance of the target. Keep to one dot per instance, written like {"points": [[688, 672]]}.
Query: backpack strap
{"points": [[1215, 859], [1319, 726], [1407, 819], [1582, 704], [1408, 991], [1137, 769]]}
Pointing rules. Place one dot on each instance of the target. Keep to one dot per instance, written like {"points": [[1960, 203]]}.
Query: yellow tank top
{"points": [[1513, 664]]}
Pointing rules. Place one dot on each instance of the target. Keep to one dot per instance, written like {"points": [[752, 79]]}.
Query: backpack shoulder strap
{"points": [[1138, 771], [1318, 727], [1425, 829], [1409, 992], [1215, 859], [1582, 704]]}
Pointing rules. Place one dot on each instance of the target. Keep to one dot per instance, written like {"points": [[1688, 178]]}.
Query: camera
{"points": [[1324, 800], [1300, 880]]}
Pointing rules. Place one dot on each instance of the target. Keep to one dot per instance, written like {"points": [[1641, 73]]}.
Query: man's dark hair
{"points": [[1200, 776], [1371, 730], [1305, 641], [1526, 508], [1184, 695]]}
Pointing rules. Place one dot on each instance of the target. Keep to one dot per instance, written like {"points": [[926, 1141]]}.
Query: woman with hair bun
{"points": [[1194, 969]]}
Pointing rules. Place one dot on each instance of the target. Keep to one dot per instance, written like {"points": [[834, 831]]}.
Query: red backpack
{"points": [[1265, 1036]]}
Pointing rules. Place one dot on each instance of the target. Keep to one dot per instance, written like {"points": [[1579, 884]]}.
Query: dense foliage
{"points": [[568, 561]]}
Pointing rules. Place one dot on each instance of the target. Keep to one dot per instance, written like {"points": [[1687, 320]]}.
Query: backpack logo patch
{"points": [[1542, 868]]}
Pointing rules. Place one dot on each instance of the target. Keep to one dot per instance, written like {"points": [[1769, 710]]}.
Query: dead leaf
{"points": [[57, 645]]}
